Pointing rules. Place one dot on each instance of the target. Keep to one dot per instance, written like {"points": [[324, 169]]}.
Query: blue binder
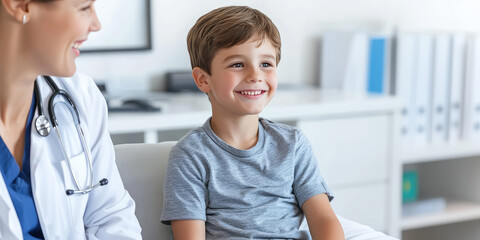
{"points": [[376, 66]]}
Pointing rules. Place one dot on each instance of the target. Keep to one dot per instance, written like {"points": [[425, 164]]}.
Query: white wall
{"points": [[300, 24]]}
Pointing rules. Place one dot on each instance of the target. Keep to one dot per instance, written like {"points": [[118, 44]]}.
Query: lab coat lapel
{"points": [[9, 224], [47, 179]]}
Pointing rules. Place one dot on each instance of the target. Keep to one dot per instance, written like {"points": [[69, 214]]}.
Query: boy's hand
{"points": [[321, 219], [188, 230]]}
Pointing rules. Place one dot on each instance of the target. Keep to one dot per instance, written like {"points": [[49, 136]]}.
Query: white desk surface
{"points": [[189, 110]]}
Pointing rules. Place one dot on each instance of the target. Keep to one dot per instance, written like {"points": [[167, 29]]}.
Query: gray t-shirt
{"points": [[254, 193]]}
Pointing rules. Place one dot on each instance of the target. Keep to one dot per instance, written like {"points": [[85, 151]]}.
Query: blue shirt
{"points": [[19, 184]]}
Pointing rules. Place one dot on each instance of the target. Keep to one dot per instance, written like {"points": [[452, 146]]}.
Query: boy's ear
{"points": [[201, 79], [17, 9]]}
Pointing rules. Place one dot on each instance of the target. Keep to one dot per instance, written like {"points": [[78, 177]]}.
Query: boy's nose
{"points": [[254, 76]]}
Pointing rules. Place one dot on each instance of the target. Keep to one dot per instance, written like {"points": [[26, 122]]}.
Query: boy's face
{"points": [[243, 78]]}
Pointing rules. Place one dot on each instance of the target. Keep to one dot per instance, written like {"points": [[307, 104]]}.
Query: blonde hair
{"points": [[226, 27]]}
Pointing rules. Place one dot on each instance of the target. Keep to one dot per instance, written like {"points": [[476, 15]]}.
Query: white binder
{"points": [[440, 87], [405, 76], [459, 47], [355, 80], [471, 130], [344, 61], [423, 91]]}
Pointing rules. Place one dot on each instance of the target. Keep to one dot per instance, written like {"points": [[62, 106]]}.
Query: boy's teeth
{"points": [[251, 93], [76, 45]]}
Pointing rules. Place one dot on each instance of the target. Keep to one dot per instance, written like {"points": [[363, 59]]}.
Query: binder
{"points": [[356, 62], [440, 88], [405, 86], [356, 72], [423, 91], [471, 130], [343, 61], [459, 47], [378, 79]]}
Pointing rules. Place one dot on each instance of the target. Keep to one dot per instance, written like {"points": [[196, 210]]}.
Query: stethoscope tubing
{"points": [[59, 92], [43, 129]]}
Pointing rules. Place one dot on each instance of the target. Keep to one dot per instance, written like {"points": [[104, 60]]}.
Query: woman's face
{"points": [[55, 31]]}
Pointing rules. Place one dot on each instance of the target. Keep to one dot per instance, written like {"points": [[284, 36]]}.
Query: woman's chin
{"points": [[66, 72]]}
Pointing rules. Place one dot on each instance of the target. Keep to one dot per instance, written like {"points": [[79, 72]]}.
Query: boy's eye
{"points": [[265, 64], [237, 65]]}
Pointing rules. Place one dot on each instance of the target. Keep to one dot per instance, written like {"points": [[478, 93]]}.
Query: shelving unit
{"points": [[440, 152], [454, 212], [450, 171]]}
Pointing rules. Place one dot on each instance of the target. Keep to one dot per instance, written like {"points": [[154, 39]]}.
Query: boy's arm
{"points": [[188, 229], [321, 218]]}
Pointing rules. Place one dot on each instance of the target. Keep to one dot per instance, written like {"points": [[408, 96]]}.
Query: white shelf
{"points": [[454, 212], [440, 152]]}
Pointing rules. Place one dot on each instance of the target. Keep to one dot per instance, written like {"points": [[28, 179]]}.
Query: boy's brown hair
{"points": [[226, 27]]}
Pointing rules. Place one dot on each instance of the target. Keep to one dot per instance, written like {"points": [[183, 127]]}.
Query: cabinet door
{"points": [[351, 150], [363, 204], [354, 157]]}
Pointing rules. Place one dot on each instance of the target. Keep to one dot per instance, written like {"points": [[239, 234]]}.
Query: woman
{"points": [[48, 183]]}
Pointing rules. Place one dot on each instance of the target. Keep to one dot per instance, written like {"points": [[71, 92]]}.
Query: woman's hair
{"points": [[226, 27]]}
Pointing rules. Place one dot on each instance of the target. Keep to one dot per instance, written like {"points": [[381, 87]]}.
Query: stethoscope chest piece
{"points": [[42, 125]]}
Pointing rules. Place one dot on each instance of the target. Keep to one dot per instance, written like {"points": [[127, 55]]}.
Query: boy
{"points": [[241, 176]]}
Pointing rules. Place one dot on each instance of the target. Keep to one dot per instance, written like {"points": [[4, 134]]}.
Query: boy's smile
{"points": [[243, 78]]}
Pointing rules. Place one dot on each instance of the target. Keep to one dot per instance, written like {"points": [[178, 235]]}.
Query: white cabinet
{"points": [[354, 157], [364, 203]]}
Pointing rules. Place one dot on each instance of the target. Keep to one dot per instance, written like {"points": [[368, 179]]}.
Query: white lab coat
{"points": [[107, 212]]}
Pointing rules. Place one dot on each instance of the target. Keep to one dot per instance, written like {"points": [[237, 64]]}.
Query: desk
{"points": [[190, 110]]}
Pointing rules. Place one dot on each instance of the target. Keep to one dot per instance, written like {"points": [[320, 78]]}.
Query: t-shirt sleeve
{"points": [[185, 194], [308, 181]]}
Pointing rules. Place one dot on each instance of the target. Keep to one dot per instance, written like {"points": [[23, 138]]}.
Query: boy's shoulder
{"points": [[284, 134], [193, 139], [279, 128]]}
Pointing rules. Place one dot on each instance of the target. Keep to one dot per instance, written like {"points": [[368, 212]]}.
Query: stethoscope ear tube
{"points": [[51, 111], [56, 92]]}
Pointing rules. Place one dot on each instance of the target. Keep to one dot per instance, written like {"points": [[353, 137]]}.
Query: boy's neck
{"points": [[238, 132]]}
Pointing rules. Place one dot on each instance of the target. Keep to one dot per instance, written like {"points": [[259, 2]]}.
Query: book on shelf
{"points": [[424, 206]]}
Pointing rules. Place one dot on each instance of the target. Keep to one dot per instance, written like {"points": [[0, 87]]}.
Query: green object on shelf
{"points": [[410, 186]]}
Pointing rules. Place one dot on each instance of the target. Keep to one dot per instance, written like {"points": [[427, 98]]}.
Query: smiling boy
{"points": [[239, 175]]}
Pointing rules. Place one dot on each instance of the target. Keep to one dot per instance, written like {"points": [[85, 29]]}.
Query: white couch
{"points": [[143, 167]]}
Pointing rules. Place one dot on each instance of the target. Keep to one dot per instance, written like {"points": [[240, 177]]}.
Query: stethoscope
{"points": [[42, 125]]}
